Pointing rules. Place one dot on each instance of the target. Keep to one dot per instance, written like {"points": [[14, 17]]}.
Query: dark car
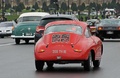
{"points": [[50, 18], [108, 28]]}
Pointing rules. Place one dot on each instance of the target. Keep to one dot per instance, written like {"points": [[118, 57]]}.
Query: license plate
{"points": [[28, 34], [59, 51], [110, 32]]}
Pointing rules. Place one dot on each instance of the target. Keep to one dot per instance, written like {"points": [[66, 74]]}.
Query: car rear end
{"points": [[110, 30], [6, 28], [61, 44]]}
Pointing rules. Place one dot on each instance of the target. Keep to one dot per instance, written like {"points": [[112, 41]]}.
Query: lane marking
{"points": [[6, 44]]}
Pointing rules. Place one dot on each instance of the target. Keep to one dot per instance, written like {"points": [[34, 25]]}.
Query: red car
{"points": [[68, 42]]}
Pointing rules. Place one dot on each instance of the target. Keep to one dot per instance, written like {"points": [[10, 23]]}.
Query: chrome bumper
{"points": [[13, 36]]}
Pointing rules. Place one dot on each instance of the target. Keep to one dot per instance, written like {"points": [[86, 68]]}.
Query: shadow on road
{"points": [[111, 40], [66, 72]]}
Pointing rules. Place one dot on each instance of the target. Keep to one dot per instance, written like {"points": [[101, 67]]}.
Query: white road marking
{"points": [[6, 44]]}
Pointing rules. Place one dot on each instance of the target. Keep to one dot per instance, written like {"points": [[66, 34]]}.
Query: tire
{"points": [[88, 64], [49, 64], [26, 41], [102, 39], [96, 63], [2, 36], [39, 65], [17, 41]]}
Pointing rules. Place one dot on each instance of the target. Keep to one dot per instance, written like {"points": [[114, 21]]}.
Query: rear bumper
{"points": [[109, 33], [21, 37], [5, 34]]}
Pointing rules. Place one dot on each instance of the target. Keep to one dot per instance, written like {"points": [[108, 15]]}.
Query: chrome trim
{"points": [[13, 36]]}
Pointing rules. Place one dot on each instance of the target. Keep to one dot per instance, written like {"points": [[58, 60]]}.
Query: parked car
{"points": [[26, 26], [65, 42], [6, 28], [108, 28], [49, 18]]}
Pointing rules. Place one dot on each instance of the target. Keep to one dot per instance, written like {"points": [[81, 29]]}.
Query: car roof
{"points": [[34, 14], [110, 19], [79, 23], [60, 16], [7, 22]]}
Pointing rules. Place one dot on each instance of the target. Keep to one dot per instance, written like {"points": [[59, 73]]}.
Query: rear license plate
{"points": [[59, 51], [110, 32], [28, 34]]}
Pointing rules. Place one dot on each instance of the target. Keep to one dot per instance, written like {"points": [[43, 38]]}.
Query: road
{"points": [[17, 61]]}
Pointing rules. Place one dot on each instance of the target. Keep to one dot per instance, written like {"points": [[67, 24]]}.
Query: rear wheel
{"points": [[39, 65], [88, 63], [2, 36], [17, 41], [96, 63]]}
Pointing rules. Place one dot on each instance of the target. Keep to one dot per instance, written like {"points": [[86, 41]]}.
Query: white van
{"points": [[31, 16]]}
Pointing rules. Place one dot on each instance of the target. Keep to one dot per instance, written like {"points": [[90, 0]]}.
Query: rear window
{"points": [[110, 22], [6, 24], [29, 18], [43, 22], [64, 28]]}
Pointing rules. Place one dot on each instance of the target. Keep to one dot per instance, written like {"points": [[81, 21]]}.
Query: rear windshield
{"points": [[43, 22], [6, 24], [64, 28], [29, 18], [110, 21]]}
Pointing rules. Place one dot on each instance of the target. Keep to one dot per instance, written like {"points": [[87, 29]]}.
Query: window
{"points": [[87, 32], [64, 28]]}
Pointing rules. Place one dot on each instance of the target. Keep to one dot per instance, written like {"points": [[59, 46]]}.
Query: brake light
{"points": [[100, 28], [37, 29]]}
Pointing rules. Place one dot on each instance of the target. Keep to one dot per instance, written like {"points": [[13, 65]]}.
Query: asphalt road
{"points": [[17, 61]]}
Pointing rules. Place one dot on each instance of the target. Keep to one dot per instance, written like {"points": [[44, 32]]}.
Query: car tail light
{"points": [[41, 51], [77, 50], [100, 28], [37, 29], [118, 28]]}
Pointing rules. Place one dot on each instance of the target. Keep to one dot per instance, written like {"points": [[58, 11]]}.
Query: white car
{"points": [[6, 28], [31, 16]]}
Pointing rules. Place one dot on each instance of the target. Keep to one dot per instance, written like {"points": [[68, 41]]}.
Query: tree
{"points": [[73, 6], [44, 7], [7, 6], [81, 7], [20, 7], [64, 6], [35, 6], [17, 1], [104, 5]]}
